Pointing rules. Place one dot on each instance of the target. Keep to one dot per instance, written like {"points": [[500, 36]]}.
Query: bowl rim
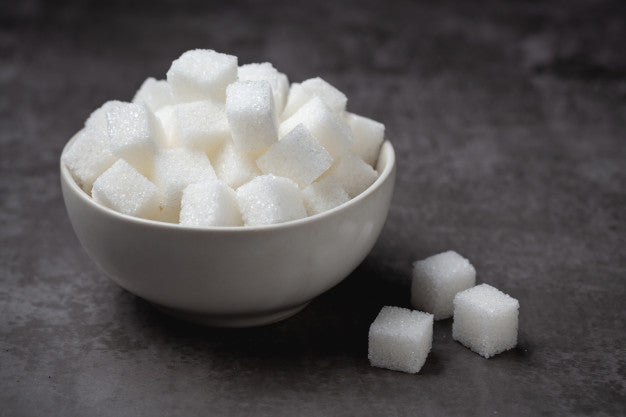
{"points": [[386, 150]]}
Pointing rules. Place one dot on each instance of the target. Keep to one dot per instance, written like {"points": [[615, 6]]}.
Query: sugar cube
{"points": [[98, 118], [329, 129], [437, 279], [368, 137], [133, 134], [201, 125], [155, 94], [354, 175], [400, 339], [175, 169], [202, 74], [268, 199], [266, 72], [297, 156], [251, 115], [322, 195], [233, 167], [209, 203], [166, 116], [125, 190], [485, 320], [89, 156], [299, 94]]}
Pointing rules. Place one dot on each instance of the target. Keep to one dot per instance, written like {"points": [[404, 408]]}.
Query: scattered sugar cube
{"points": [[175, 169], [354, 175], [266, 72], [125, 190], [209, 203], [329, 129], [234, 167], [324, 194], [202, 74], [437, 279], [299, 94], [268, 199], [485, 320], [297, 156], [201, 125], [166, 116], [368, 137], [89, 156], [155, 94], [251, 115], [133, 134], [400, 339]]}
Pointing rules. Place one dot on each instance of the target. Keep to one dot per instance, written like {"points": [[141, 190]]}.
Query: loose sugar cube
{"points": [[175, 169], [354, 175], [329, 129], [89, 156], [299, 94], [485, 320], [296, 98], [333, 98], [437, 279], [202, 74], [251, 115], [234, 167], [133, 133], [125, 190], [368, 137], [268, 199], [400, 339], [209, 203], [155, 94], [266, 72], [297, 156], [324, 194], [201, 125]]}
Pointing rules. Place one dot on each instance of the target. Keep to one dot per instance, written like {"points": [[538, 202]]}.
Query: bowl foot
{"points": [[234, 320]]}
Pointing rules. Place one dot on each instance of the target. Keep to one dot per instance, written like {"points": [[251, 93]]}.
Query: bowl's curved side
{"points": [[232, 271]]}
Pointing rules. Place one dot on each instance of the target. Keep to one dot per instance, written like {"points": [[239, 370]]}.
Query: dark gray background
{"points": [[508, 119]]}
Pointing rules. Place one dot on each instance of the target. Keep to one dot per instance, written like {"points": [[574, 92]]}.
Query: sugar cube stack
{"points": [[400, 339], [485, 320], [227, 145], [437, 279]]}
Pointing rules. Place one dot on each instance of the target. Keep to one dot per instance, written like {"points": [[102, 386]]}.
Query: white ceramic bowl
{"points": [[232, 277]]}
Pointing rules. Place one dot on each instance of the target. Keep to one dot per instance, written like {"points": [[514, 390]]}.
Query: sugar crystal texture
{"points": [[437, 279], [202, 74], [297, 156], [251, 115], [266, 72], [125, 190], [133, 134], [89, 155], [166, 116], [324, 194], [175, 169], [98, 118], [400, 339], [209, 203], [201, 125], [233, 167], [269, 199], [329, 129], [354, 175], [485, 320], [368, 137], [155, 94], [314, 87]]}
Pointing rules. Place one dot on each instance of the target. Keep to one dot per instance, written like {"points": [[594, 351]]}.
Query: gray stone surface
{"points": [[508, 119]]}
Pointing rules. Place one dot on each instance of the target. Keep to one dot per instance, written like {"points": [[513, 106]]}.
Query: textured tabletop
{"points": [[509, 122]]}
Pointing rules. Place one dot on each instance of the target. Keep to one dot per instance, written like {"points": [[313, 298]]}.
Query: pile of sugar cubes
{"points": [[217, 144], [443, 286]]}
